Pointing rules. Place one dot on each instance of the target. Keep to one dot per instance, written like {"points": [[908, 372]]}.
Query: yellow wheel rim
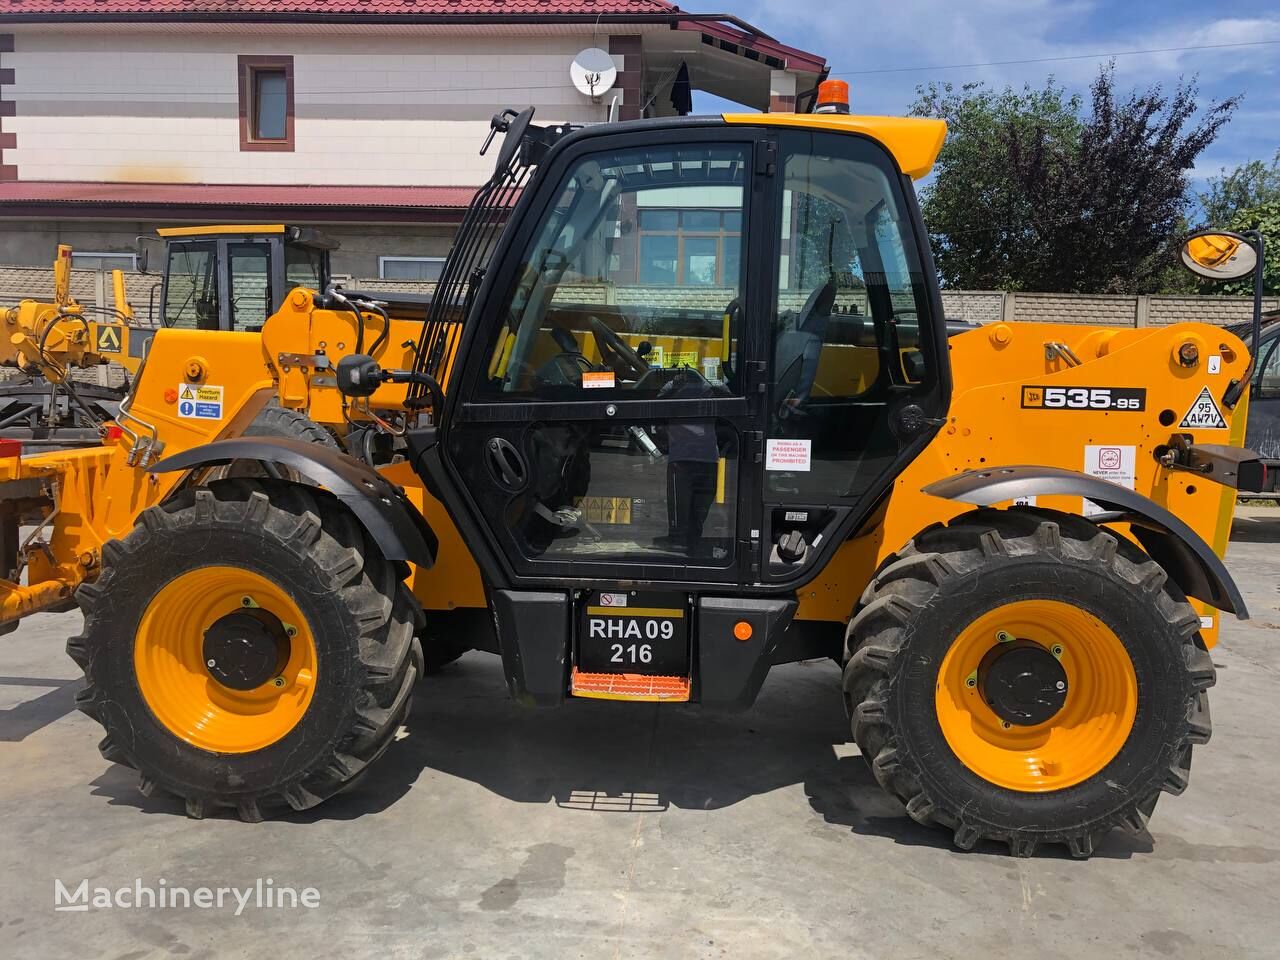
{"points": [[177, 683], [1084, 735]]}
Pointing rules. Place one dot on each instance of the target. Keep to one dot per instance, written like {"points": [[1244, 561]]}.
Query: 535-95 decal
{"points": [[1084, 398]]}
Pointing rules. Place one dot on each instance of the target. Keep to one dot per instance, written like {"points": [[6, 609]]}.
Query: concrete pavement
{"points": [[613, 830]]}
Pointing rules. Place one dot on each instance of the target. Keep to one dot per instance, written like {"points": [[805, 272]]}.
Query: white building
{"points": [[363, 116]]}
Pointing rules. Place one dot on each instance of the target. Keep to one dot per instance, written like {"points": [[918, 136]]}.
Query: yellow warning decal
{"points": [[606, 509]]}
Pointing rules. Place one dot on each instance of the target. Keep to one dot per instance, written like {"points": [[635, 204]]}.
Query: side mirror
{"points": [[142, 251], [1219, 255], [358, 375]]}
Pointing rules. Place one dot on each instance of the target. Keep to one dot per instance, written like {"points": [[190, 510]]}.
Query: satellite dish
{"points": [[593, 72]]}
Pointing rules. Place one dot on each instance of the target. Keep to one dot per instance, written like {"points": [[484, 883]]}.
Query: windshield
{"points": [[305, 267]]}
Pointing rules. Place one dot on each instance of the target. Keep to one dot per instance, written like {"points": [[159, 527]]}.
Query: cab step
{"points": [[629, 686]]}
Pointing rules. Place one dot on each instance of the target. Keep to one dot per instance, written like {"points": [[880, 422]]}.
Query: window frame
{"points": [[248, 67], [681, 233], [383, 261]]}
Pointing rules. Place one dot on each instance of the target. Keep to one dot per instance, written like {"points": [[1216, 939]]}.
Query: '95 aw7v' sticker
{"points": [[1084, 398]]}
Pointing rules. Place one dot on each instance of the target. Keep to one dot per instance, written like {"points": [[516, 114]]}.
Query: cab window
{"points": [[632, 283], [251, 301], [852, 301], [191, 293]]}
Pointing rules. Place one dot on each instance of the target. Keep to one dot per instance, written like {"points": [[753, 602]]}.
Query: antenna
{"points": [[593, 73]]}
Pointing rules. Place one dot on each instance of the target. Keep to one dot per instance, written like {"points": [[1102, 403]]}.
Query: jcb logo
{"points": [[1032, 397]]}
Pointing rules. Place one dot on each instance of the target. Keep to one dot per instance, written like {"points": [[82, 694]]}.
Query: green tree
{"points": [[1034, 193], [1249, 185], [980, 220]]}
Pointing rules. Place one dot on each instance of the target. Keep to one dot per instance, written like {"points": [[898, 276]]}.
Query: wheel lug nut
{"points": [[278, 682], [211, 664], [1061, 686], [1056, 650]]}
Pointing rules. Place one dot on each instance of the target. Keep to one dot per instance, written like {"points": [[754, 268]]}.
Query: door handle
{"points": [[505, 464]]}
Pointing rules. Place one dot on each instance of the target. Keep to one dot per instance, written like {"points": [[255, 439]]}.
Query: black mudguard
{"points": [[395, 524], [1188, 560]]}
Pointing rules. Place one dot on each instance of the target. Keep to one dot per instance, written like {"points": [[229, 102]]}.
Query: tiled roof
{"points": [[254, 195], [372, 8]]}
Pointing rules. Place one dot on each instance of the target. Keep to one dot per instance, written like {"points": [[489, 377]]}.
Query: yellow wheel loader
{"points": [[684, 406]]}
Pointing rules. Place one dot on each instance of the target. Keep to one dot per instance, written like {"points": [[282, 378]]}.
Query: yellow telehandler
{"points": [[684, 406]]}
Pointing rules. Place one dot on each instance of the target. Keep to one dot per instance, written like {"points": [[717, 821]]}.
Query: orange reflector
{"points": [[629, 686], [742, 630], [114, 432], [833, 97], [10, 448], [171, 395]]}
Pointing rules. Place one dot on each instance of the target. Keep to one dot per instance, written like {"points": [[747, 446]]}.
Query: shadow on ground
{"points": [[615, 757], [20, 721]]}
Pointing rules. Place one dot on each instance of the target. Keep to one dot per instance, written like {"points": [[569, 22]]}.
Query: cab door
{"points": [[610, 416]]}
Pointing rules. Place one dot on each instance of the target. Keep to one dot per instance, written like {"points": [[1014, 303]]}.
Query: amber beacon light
{"points": [[833, 97]]}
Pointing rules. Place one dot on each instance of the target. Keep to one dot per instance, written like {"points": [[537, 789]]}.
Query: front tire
{"points": [[247, 646], [1079, 733]]}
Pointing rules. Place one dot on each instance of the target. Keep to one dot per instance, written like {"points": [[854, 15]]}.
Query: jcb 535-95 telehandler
{"points": [[684, 406]]}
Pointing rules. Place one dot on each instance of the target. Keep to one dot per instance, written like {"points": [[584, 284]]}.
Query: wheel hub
{"points": [[1022, 683], [245, 649]]}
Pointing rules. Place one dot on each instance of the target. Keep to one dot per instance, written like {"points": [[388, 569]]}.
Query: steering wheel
{"points": [[615, 352]]}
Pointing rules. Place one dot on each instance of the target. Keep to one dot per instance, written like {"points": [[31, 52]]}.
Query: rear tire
{"points": [[307, 561], [276, 421], [918, 609]]}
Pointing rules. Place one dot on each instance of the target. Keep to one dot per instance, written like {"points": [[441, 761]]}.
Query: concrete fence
{"points": [[988, 306]]}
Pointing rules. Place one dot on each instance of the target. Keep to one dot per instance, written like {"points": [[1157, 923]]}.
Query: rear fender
{"points": [[394, 523], [1189, 561]]}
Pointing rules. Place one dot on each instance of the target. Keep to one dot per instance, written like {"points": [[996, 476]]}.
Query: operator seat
{"points": [[799, 347]]}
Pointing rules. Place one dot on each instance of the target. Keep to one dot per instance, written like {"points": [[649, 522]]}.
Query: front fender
{"points": [[1183, 553], [394, 523]]}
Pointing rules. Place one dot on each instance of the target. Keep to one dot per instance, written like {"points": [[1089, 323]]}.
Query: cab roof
{"points": [[307, 236], [914, 141]]}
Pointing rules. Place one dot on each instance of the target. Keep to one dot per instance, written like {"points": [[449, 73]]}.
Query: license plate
{"points": [[645, 633]]}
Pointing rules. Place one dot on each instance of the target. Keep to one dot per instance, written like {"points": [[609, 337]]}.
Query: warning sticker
{"points": [[606, 509], [1204, 414], [108, 340], [1118, 464], [199, 402], [613, 599], [787, 455], [597, 379]]}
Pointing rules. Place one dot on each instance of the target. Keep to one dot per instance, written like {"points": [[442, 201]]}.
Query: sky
{"points": [[859, 35]]}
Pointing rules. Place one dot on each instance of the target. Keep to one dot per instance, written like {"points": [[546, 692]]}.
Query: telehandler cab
{"points": [[683, 407]]}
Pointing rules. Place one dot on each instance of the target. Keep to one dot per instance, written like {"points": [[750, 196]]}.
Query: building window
{"points": [[103, 261], [696, 248], [410, 268], [266, 103]]}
